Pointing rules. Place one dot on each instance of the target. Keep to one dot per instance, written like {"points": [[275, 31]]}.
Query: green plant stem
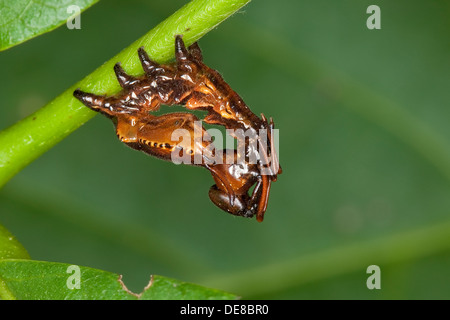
{"points": [[26, 140]]}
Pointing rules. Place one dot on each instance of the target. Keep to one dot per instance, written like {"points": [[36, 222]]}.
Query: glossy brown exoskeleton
{"points": [[189, 82]]}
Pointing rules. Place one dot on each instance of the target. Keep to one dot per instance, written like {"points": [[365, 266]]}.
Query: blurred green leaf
{"points": [[39, 280], [10, 248], [162, 288], [403, 246], [22, 20]]}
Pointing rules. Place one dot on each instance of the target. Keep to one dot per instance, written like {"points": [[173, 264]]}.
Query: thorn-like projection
{"points": [[181, 53], [90, 100], [149, 66], [196, 52], [124, 79]]}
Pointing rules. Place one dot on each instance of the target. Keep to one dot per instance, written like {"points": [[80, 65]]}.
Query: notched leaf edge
{"points": [[137, 295]]}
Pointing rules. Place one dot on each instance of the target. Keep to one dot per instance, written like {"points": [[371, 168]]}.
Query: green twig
{"points": [[25, 141]]}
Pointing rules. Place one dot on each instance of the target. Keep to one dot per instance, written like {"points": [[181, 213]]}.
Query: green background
{"points": [[364, 145]]}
